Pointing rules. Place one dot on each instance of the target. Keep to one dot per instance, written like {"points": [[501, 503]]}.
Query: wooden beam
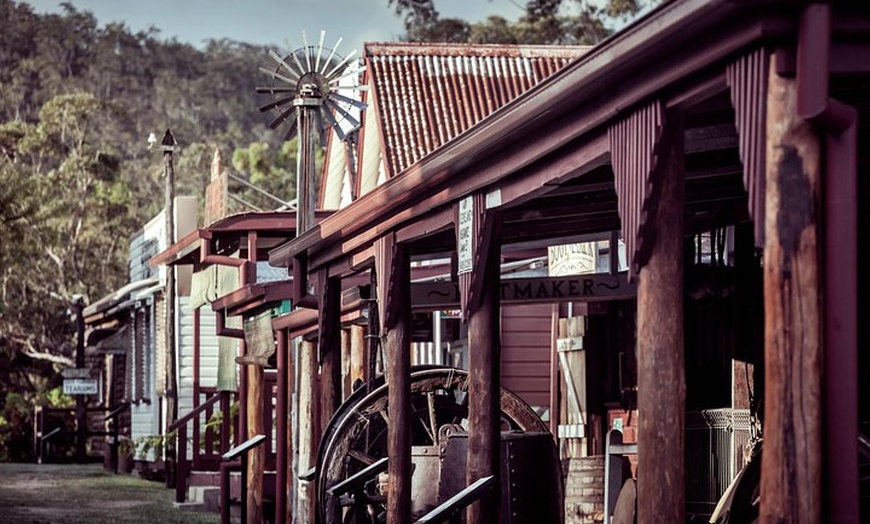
{"points": [[393, 264], [307, 424], [283, 444], [257, 459], [357, 354], [791, 465], [661, 371], [329, 332], [484, 352]]}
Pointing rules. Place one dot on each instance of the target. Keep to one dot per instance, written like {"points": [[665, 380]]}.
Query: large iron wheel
{"points": [[357, 435]]}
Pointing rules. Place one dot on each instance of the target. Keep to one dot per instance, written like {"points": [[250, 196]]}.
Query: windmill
{"points": [[306, 95]]}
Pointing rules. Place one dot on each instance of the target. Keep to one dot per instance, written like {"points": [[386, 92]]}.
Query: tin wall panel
{"points": [[747, 78], [633, 142], [427, 94]]}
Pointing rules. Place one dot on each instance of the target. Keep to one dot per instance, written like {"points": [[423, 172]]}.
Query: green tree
{"points": [[271, 169], [544, 22]]}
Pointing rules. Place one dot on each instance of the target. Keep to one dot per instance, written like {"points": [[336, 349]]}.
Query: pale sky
{"points": [[271, 21]]}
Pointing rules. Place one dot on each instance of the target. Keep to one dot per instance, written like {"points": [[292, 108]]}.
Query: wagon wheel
{"points": [[357, 434]]}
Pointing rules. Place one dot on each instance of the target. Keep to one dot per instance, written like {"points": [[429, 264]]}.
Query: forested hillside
{"points": [[77, 102]]}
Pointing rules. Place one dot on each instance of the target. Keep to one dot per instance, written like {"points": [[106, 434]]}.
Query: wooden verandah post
{"points": [[392, 265], [791, 465], [255, 395], [661, 382], [648, 169], [479, 253]]}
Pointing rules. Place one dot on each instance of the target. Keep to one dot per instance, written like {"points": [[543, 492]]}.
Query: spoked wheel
{"points": [[357, 435]]}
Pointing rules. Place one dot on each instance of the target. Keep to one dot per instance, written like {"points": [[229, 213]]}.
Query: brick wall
{"points": [[584, 490]]}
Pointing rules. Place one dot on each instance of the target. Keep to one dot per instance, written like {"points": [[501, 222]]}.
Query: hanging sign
{"points": [[465, 241], [572, 259], [75, 373], [80, 386]]}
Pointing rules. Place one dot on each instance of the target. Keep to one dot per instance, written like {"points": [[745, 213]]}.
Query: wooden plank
{"points": [[791, 465], [357, 353], [569, 344], [573, 396]]}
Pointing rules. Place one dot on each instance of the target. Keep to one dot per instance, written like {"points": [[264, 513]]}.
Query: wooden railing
{"points": [[451, 509], [112, 418], [44, 441], [236, 459], [182, 465]]}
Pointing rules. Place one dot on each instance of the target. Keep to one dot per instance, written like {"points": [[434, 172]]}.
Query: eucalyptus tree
{"points": [[542, 22]]}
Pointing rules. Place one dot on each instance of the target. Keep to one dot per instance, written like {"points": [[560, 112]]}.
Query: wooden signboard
{"points": [[586, 288], [465, 241]]}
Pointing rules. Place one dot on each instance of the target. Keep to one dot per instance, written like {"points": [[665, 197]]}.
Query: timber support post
{"points": [[791, 467], [661, 387], [480, 266], [282, 443], [394, 293], [329, 330], [307, 424]]}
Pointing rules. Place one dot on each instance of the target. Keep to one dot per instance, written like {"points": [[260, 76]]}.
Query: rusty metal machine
{"points": [[351, 465]]}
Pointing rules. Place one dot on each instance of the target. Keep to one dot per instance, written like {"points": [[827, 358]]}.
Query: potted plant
{"points": [[126, 454]]}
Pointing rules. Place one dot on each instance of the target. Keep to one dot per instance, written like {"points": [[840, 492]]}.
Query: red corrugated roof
{"points": [[427, 94]]}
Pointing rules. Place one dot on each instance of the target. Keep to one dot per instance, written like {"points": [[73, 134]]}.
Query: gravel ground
{"points": [[85, 494]]}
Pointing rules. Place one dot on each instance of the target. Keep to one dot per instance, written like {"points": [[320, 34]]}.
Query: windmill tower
{"points": [[305, 95]]}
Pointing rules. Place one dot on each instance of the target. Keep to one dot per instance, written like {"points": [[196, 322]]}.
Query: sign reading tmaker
{"points": [[585, 288]]}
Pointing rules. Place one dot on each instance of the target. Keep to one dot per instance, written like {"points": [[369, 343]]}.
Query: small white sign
{"points": [[465, 241], [80, 386], [75, 373], [572, 259]]}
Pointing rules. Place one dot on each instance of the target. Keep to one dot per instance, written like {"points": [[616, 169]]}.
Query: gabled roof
{"points": [[427, 94]]}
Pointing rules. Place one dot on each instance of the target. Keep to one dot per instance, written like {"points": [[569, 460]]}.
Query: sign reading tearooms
{"points": [[80, 386]]}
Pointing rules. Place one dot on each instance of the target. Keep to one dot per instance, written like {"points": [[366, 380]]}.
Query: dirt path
{"points": [[85, 494]]}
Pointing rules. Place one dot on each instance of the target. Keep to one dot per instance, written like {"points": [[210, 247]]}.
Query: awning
{"points": [[109, 341]]}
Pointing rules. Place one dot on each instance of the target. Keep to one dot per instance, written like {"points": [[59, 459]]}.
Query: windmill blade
{"points": [[290, 129], [321, 131], [340, 64], [277, 102], [347, 75], [273, 90], [347, 100], [277, 76], [307, 49], [286, 66], [293, 52], [319, 51], [347, 116], [334, 124], [282, 117], [331, 54]]}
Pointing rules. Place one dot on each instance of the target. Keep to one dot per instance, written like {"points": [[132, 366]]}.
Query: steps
{"points": [[204, 493]]}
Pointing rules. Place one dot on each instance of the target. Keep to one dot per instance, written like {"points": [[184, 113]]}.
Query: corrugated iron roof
{"points": [[427, 94]]}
